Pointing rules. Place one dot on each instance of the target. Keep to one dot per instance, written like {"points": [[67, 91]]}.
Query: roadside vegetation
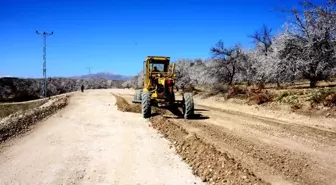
{"points": [[296, 67], [18, 96], [10, 108], [19, 90], [22, 116]]}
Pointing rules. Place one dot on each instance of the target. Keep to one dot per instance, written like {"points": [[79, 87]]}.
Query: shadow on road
{"points": [[179, 115], [155, 114], [198, 117], [201, 110]]}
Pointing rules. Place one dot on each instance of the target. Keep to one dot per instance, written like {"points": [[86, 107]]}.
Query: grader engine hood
{"points": [[165, 81]]}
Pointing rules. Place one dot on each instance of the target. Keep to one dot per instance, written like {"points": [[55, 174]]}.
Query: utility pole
{"points": [[89, 68], [44, 34]]}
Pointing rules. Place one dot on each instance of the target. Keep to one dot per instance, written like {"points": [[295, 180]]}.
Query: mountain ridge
{"points": [[105, 75]]}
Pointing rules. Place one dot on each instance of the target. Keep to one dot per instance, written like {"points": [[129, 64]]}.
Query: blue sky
{"points": [[116, 35]]}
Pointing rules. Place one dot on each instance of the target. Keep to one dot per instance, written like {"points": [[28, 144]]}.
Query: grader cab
{"points": [[158, 88]]}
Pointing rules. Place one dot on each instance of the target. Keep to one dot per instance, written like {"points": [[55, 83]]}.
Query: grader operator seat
{"points": [[158, 66], [155, 70], [158, 69]]}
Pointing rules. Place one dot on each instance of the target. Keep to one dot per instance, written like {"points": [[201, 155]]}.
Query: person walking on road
{"points": [[82, 88]]}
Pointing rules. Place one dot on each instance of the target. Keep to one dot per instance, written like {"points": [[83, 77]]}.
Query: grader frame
{"points": [[158, 88]]}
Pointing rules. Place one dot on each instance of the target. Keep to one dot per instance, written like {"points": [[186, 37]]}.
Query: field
{"points": [[10, 108], [18, 118]]}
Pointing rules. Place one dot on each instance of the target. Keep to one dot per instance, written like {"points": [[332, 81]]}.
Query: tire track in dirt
{"points": [[298, 163], [293, 166], [318, 134], [212, 165], [260, 145], [207, 162], [271, 134]]}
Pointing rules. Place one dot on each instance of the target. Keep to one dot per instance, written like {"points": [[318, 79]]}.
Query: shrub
{"points": [[296, 106], [330, 100], [235, 91], [260, 97], [260, 86], [218, 89], [319, 95], [282, 95]]}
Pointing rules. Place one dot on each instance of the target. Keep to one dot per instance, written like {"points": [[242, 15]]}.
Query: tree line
{"points": [[305, 49], [15, 89]]}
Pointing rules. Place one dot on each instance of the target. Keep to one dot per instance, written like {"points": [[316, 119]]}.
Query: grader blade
{"points": [[136, 101]]}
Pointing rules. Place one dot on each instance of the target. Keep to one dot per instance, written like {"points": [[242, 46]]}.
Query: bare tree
{"points": [[226, 61], [311, 40], [263, 39], [182, 72]]}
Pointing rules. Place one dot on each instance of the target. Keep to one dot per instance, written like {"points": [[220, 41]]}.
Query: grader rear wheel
{"points": [[188, 105], [145, 105]]}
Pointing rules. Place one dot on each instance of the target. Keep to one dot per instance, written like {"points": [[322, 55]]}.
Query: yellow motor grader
{"points": [[158, 88]]}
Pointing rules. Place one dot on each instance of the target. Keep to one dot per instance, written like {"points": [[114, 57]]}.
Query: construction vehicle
{"points": [[158, 88]]}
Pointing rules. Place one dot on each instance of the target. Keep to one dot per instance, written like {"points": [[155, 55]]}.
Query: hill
{"points": [[102, 75]]}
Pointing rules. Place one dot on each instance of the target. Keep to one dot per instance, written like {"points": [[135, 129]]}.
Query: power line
{"points": [[89, 68], [44, 34]]}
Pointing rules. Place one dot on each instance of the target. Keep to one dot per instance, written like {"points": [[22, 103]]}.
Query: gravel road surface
{"points": [[91, 142]]}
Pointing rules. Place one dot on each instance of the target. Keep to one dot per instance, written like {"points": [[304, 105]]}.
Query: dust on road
{"points": [[91, 142]]}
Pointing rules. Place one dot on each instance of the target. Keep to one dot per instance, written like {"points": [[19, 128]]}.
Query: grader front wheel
{"points": [[145, 105], [188, 105]]}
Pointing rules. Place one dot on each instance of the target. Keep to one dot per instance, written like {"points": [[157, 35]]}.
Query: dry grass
{"points": [[9, 108], [254, 94], [21, 122], [318, 96], [217, 89], [294, 96], [261, 97], [302, 84]]}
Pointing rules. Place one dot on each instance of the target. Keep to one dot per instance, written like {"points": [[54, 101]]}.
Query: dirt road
{"points": [[91, 142], [297, 151]]}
